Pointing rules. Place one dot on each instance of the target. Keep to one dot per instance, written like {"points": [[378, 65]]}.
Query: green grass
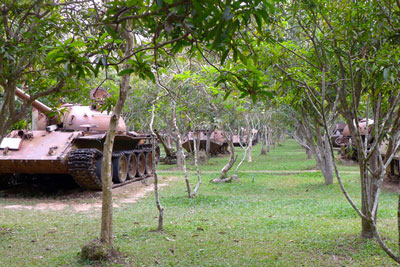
{"points": [[265, 219]]}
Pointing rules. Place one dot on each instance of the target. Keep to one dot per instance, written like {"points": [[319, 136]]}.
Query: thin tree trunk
{"points": [[244, 157], [154, 169], [398, 222], [319, 147], [196, 144], [249, 138], [208, 142], [249, 148], [179, 152], [268, 138], [4, 110], [328, 167], [179, 143], [264, 141], [106, 233], [8, 114], [229, 164], [263, 147], [367, 198], [308, 152]]}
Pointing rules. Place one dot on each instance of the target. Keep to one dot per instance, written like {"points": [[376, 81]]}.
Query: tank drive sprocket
{"points": [[85, 166]]}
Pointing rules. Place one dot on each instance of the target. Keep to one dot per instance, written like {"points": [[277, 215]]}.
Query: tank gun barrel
{"points": [[36, 104]]}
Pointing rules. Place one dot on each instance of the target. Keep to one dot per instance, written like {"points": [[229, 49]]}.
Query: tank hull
{"points": [[218, 145], [70, 141], [76, 153], [42, 152]]}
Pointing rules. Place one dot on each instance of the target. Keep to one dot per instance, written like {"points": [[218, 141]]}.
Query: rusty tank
{"points": [[337, 136], [218, 144], [242, 140], [72, 143], [348, 149]]}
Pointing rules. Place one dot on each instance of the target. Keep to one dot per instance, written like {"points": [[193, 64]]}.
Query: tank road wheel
{"points": [[141, 164], [132, 168], [120, 169], [149, 163]]}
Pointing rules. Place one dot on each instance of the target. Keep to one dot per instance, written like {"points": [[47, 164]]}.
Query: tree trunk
{"points": [[249, 148], [268, 138], [308, 152], [167, 149], [368, 194], [196, 145], [263, 147], [106, 234], [327, 170], [8, 100], [319, 146], [367, 230], [398, 221], [156, 195], [229, 164], [249, 138], [323, 157], [241, 162], [8, 114], [208, 142], [178, 154], [179, 143], [154, 170], [264, 141]]}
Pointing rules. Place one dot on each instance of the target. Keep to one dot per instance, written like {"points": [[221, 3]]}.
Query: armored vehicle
{"points": [[218, 144], [72, 143], [348, 149], [239, 140]]}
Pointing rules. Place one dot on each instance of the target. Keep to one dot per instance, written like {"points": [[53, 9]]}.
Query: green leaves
{"points": [[126, 72], [111, 32], [70, 55]]}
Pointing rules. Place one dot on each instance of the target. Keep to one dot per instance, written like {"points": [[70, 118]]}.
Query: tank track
{"points": [[82, 164], [82, 167]]}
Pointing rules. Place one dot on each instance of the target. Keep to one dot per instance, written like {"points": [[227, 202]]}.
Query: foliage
{"points": [[39, 52], [280, 219]]}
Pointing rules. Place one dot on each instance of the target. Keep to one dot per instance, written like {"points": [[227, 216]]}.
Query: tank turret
{"points": [[73, 117], [71, 143]]}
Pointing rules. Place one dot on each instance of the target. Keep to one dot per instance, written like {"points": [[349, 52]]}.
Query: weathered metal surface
{"points": [[362, 124], [242, 140], [218, 145], [337, 135], [80, 118], [36, 104], [73, 146], [44, 152]]}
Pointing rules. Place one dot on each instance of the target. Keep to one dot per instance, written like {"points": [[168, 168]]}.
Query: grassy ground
{"points": [[277, 218]]}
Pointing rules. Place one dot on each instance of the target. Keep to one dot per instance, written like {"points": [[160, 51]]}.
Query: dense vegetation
{"points": [[202, 65], [279, 214]]}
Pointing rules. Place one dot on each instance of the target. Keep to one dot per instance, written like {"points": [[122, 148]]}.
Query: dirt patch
{"points": [[391, 185], [85, 201]]}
